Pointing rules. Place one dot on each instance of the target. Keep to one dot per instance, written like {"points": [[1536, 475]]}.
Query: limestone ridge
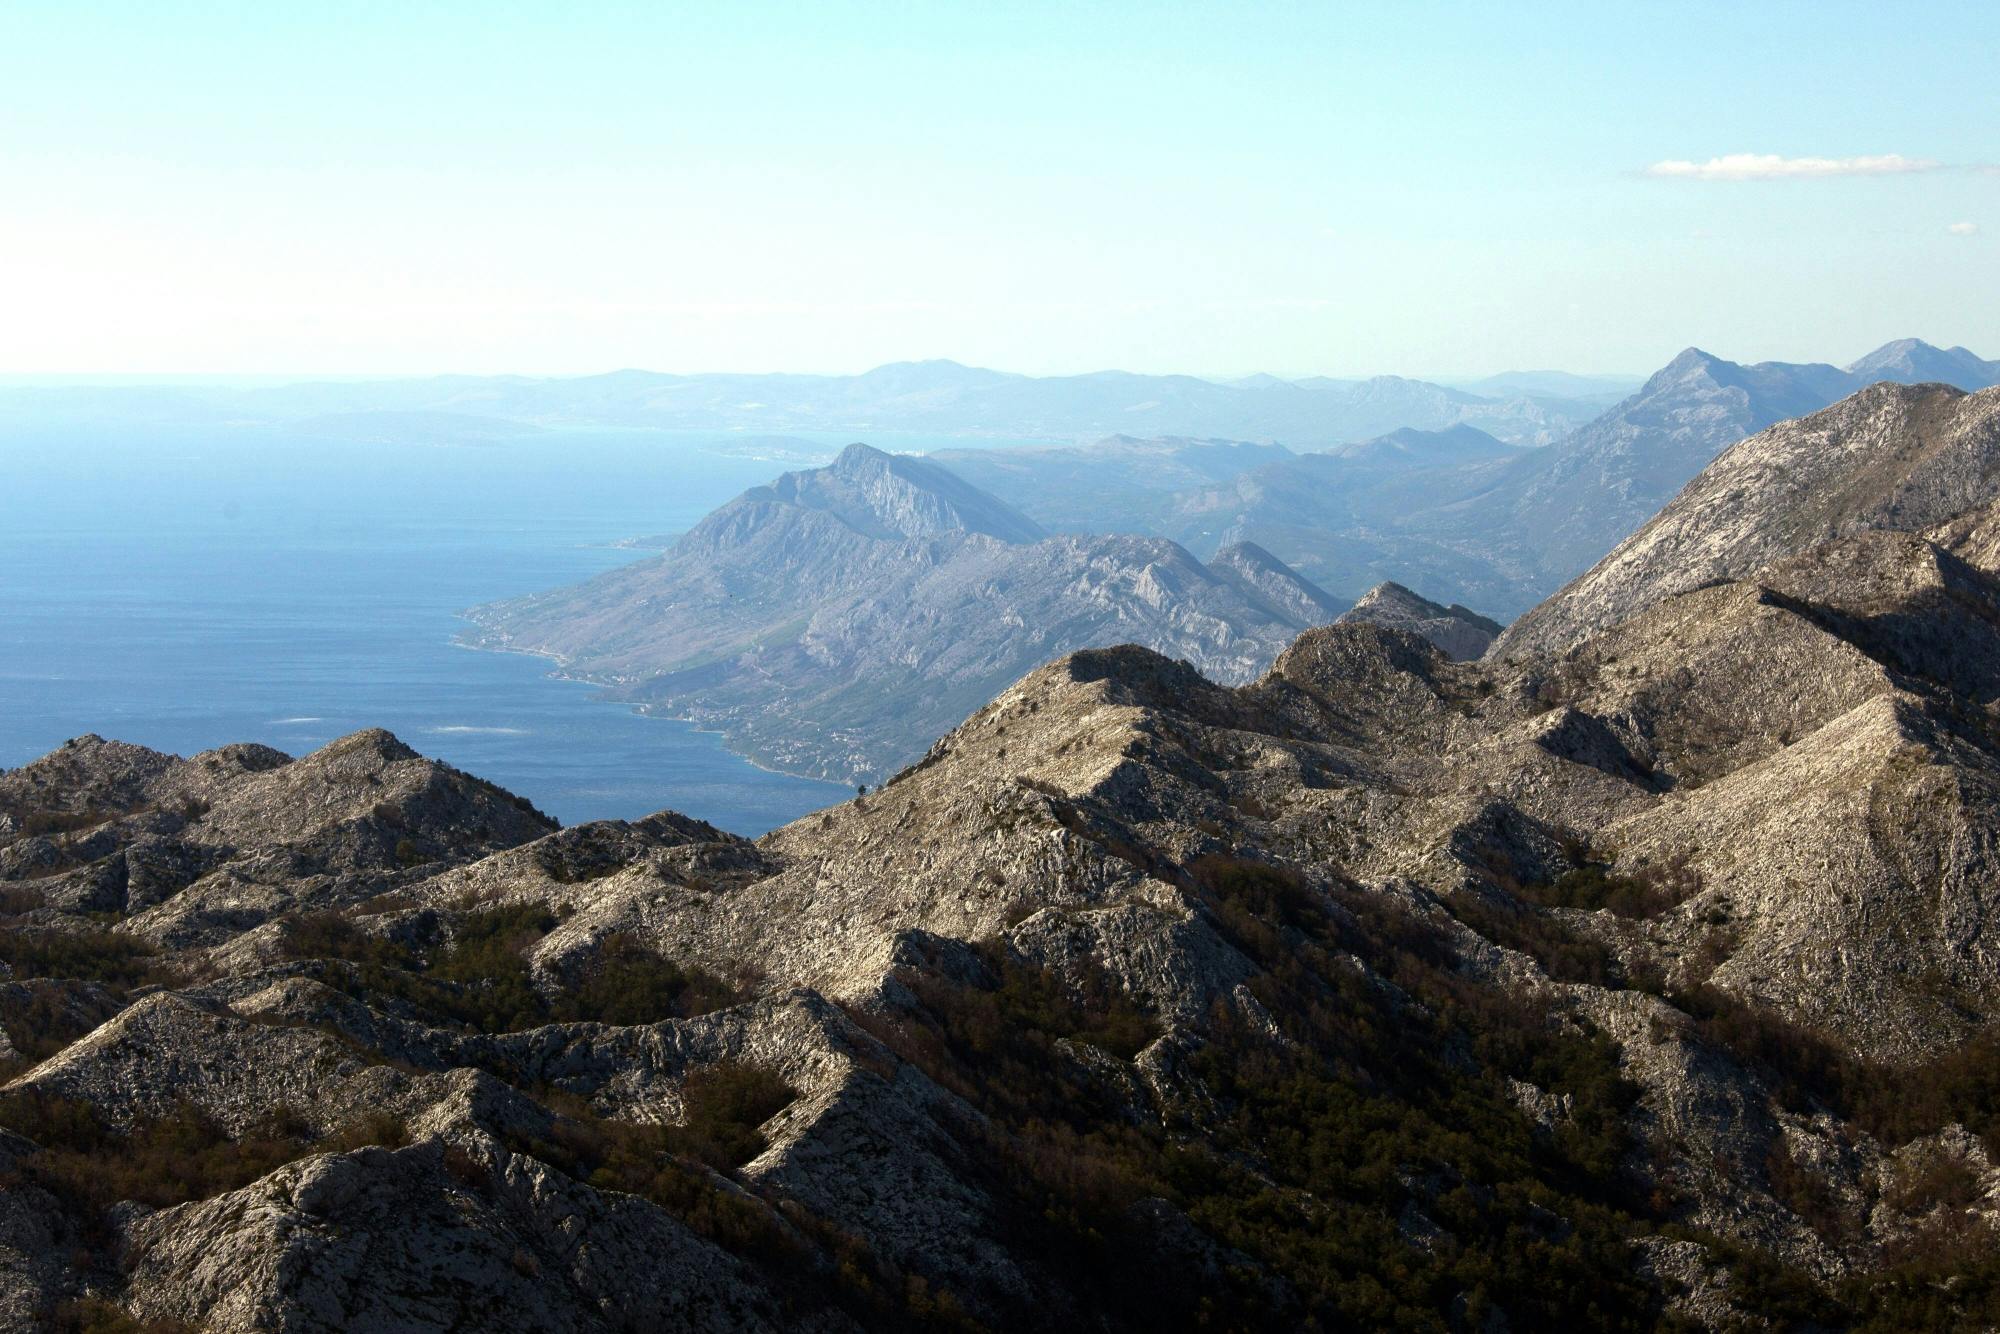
{"points": [[1685, 815], [1646, 981], [1459, 632], [837, 620], [1893, 456]]}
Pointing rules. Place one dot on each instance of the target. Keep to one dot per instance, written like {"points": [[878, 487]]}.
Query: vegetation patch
{"points": [[1642, 893], [481, 979], [171, 1159], [90, 955], [1384, 1099]]}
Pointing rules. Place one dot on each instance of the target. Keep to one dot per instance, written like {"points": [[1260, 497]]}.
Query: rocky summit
{"points": [[1459, 631], [1642, 981], [1890, 457]]}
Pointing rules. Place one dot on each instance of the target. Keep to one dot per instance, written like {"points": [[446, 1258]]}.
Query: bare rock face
{"points": [[1650, 979], [1460, 632], [889, 495], [1891, 457], [434, 1236]]}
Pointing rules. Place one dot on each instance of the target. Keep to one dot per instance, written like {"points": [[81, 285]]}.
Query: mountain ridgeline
{"points": [[832, 622], [1893, 457], [1452, 511], [837, 620], [1635, 977]]}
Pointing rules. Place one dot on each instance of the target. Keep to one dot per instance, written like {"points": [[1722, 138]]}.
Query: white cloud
{"points": [[1963, 229], [1770, 167]]}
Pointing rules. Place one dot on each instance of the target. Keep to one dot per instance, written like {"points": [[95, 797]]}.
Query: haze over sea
{"points": [[191, 588]]}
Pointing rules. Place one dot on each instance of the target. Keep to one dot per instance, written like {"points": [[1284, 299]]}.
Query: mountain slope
{"points": [[1554, 512], [1119, 484], [1649, 986], [1890, 457], [890, 496], [837, 620], [1502, 528]]}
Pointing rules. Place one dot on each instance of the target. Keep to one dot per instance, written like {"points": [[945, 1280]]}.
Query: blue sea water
{"points": [[182, 589]]}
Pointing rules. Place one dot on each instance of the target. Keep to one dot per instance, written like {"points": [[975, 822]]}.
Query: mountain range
{"points": [[1450, 510], [1636, 978], [929, 397], [836, 620]]}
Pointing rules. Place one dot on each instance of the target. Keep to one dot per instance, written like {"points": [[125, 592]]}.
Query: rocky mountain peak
{"points": [[1459, 631], [1913, 361], [1687, 364], [860, 460], [885, 495], [1891, 456], [371, 747]]}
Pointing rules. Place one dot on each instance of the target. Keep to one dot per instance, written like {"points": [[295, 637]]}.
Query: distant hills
{"points": [[923, 397], [831, 621], [1552, 513], [1454, 510], [834, 621]]}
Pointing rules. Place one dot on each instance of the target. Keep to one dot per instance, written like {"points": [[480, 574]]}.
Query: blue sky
{"points": [[1431, 190]]}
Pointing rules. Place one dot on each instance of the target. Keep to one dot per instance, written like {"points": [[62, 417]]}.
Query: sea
{"points": [[183, 588]]}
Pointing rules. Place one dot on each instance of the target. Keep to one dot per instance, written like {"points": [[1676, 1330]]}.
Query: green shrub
{"points": [[180, 1156], [630, 984], [725, 1104], [481, 980], [1386, 1093], [1642, 893], [89, 955]]}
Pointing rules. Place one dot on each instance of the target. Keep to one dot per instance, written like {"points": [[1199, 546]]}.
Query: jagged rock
{"points": [[1682, 900], [1461, 633], [415, 1240], [1891, 457]]}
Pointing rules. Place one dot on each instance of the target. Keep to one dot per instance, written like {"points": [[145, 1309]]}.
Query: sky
{"points": [[414, 188]]}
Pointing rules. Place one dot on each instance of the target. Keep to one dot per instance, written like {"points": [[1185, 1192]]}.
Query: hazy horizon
{"points": [[270, 379]]}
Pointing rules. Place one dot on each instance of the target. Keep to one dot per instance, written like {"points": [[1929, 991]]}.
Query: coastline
{"points": [[644, 711]]}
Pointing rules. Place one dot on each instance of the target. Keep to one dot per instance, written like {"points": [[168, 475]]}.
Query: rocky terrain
{"points": [[1892, 457], [834, 622], [1648, 983], [1458, 632]]}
